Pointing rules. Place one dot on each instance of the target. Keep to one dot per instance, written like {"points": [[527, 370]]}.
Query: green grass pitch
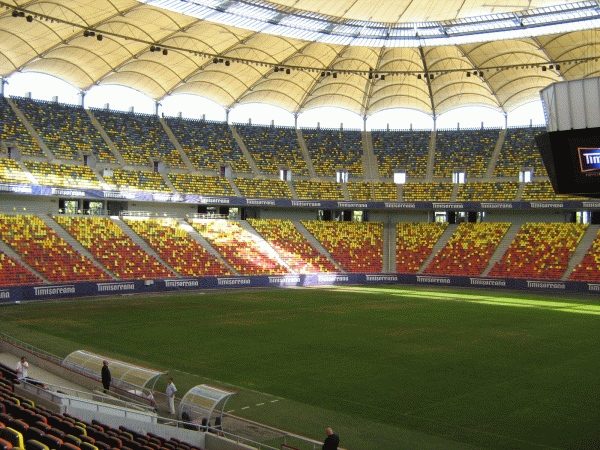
{"points": [[388, 367]]}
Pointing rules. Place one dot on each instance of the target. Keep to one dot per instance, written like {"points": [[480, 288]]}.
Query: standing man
{"points": [[331, 441], [21, 369], [171, 389], [106, 377]]}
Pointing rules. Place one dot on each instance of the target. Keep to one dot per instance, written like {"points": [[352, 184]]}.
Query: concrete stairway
{"points": [[36, 137], [175, 142], [265, 245], [142, 243], [74, 243], [581, 250], [205, 244], [508, 238], [315, 243], [12, 254], [389, 247], [439, 245]]}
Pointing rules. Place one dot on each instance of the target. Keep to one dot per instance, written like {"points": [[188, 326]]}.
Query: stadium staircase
{"points": [[520, 192], [165, 178], [430, 157], [455, 187], [12, 254], [304, 149], [439, 245], [584, 245], [204, 243], [389, 248], [175, 142], [268, 249], [36, 137], [244, 150], [369, 160], [26, 171], [234, 187], [142, 243], [111, 145], [508, 238], [316, 244], [345, 191], [74, 243], [496, 154], [292, 189]]}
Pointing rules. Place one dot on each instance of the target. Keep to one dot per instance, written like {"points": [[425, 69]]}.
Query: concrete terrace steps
{"points": [[315, 243], [508, 238], [584, 245], [5, 248], [206, 245], [74, 243], [142, 243], [439, 245]]}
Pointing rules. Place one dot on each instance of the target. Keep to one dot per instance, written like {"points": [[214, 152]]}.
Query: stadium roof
{"points": [[361, 55]]}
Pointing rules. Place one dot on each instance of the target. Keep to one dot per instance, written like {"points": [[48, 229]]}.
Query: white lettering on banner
{"points": [[67, 192], [182, 283], [546, 205], [232, 281], [591, 204], [103, 287], [438, 280], [124, 195], [351, 205], [332, 278], [19, 189], [382, 277], [497, 205], [545, 285], [53, 290], [4, 295], [214, 200], [593, 287], [279, 280], [448, 205], [487, 282], [252, 201], [400, 205], [301, 203]]}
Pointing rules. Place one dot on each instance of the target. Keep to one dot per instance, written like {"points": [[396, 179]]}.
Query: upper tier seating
{"points": [[414, 242], [589, 267], [45, 251], [540, 251], [404, 150], [273, 148], [65, 129], [355, 246], [263, 188], [330, 150], [318, 190], [541, 190], [13, 273], [201, 184], [292, 246], [386, 191], [139, 138], [238, 247], [13, 131], [427, 192], [520, 151], [67, 175], [469, 250], [113, 248], [177, 248], [360, 191], [208, 143], [11, 172], [464, 151], [486, 192], [137, 181]]}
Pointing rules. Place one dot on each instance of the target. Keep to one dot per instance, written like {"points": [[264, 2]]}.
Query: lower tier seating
{"points": [[414, 242]]}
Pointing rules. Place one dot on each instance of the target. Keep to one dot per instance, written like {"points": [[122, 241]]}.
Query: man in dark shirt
{"points": [[331, 441], [106, 377]]}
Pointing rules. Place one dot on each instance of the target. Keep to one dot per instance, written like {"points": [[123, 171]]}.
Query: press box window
{"points": [[525, 176], [458, 177]]}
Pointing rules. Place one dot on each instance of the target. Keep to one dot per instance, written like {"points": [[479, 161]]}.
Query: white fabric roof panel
{"points": [[53, 43]]}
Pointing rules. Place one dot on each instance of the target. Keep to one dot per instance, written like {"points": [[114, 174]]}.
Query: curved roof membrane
{"points": [[124, 375], [360, 55]]}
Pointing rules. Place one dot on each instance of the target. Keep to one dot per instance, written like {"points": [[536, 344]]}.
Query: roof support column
{"points": [[227, 115], [296, 120], [81, 95], [3, 81], [365, 123], [156, 105], [505, 121]]}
